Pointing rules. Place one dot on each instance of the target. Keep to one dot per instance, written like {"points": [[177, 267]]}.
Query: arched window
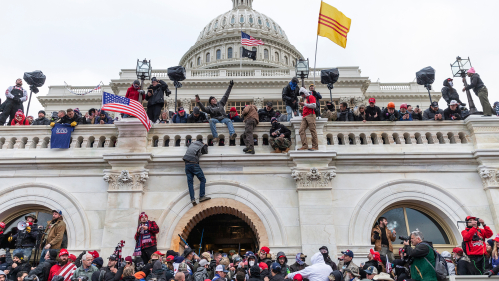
{"points": [[275, 28], [199, 60], [407, 219], [259, 21], [276, 56], [209, 27], [216, 24], [286, 60], [266, 54], [219, 54], [241, 19], [229, 53], [251, 19], [191, 64], [268, 24], [225, 21], [232, 20], [208, 57]]}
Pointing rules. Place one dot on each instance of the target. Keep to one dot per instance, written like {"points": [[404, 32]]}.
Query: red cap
{"points": [[94, 254], [298, 277], [128, 259], [376, 255], [457, 250], [496, 238], [373, 100], [265, 250], [263, 265], [158, 253], [470, 218], [63, 252], [143, 214], [233, 109], [72, 257], [404, 105], [170, 258], [2, 225]]}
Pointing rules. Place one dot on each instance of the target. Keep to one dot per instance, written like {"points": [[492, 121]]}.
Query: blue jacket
{"points": [[410, 116], [107, 120], [180, 119]]}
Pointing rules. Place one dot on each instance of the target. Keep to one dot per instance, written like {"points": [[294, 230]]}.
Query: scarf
{"points": [[292, 85], [298, 259], [144, 237]]}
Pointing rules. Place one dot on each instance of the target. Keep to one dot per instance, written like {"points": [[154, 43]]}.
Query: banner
{"points": [[249, 54], [61, 136], [98, 87]]}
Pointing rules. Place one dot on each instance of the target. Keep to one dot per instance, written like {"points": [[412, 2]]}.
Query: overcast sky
{"points": [[83, 42]]}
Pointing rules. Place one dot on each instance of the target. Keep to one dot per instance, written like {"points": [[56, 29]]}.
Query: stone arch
{"points": [[25, 195], [177, 216], [427, 195]]}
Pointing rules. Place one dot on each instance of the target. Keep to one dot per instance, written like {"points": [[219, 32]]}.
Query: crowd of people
{"points": [[416, 260]]}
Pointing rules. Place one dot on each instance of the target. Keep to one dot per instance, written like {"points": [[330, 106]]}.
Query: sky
{"points": [[83, 42]]}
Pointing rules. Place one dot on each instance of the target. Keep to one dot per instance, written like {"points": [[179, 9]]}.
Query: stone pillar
{"points": [[132, 135], [490, 180], [319, 124], [314, 177]]}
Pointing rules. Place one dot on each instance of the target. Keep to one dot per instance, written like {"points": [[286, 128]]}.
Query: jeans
{"points": [[42, 257], [385, 251], [289, 111], [192, 170], [226, 121], [26, 252]]}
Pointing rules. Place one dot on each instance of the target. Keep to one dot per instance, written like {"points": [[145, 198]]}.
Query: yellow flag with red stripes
{"points": [[333, 24]]}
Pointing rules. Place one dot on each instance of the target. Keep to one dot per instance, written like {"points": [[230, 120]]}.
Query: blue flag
{"points": [[61, 136]]}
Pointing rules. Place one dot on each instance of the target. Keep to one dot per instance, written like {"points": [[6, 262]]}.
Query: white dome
{"points": [[211, 49]]}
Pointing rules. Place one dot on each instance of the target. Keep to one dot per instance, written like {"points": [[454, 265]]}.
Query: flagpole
{"points": [[241, 51], [315, 62]]}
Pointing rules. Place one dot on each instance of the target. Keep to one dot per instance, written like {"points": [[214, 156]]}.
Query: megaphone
{"points": [[21, 225]]}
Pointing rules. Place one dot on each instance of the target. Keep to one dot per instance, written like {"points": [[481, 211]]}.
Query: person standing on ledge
{"points": [[308, 120], [217, 114], [16, 95], [145, 238], [250, 116], [480, 90], [156, 98], [191, 159]]}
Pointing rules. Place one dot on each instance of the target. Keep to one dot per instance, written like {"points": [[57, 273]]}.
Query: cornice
{"points": [[65, 99]]}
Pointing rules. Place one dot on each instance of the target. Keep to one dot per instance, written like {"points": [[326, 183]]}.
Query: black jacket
{"points": [[108, 274], [317, 97], [476, 83], [429, 114], [22, 266], [416, 116], [158, 93], [420, 251], [386, 116], [277, 277], [288, 96], [360, 117], [76, 118], [280, 129], [449, 93], [285, 266], [346, 115], [217, 111], [41, 121], [26, 239], [296, 267], [371, 112], [264, 115], [43, 270], [200, 119], [464, 267], [448, 113], [254, 273]]}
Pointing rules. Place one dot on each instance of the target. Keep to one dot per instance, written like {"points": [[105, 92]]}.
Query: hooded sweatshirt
{"points": [[23, 122], [327, 258], [318, 271], [449, 93], [310, 103], [284, 267]]}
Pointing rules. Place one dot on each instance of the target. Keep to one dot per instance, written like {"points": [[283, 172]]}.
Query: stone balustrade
{"points": [[415, 136]]}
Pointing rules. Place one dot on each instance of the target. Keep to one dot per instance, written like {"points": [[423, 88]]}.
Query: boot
{"points": [[245, 149], [204, 198], [286, 151], [303, 148], [233, 136], [250, 151], [277, 150], [215, 140], [194, 202]]}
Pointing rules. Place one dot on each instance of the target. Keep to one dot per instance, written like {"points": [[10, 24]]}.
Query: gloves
{"points": [[73, 124], [489, 273], [376, 235], [231, 83], [52, 124]]}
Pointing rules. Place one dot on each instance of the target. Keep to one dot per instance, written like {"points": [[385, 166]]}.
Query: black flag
{"points": [[249, 54]]}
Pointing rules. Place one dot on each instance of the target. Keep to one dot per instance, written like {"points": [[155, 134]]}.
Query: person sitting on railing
{"points": [[290, 97], [41, 120], [433, 113], [280, 137], [359, 113], [389, 113], [329, 112], [217, 113], [19, 119], [345, 113], [197, 116], [416, 113], [449, 93], [404, 114], [233, 116], [453, 112], [180, 117], [103, 118], [267, 113], [373, 112]]}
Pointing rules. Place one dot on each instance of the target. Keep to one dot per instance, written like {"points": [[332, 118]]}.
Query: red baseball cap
{"points": [[2, 225], [265, 250], [263, 265], [404, 105], [457, 250], [158, 253], [94, 254], [298, 277], [373, 100], [470, 218], [72, 257], [496, 238], [170, 258], [63, 252]]}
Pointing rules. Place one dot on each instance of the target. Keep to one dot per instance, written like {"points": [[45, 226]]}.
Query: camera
{"points": [[82, 278], [405, 238], [393, 117]]}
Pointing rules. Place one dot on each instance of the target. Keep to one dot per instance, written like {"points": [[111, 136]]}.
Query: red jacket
{"points": [[307, 111], [153, 230], [54, 270], [24, 122], [133, 94], [477, 248]]}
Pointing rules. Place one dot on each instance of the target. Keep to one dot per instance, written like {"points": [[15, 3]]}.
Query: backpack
{"points": [[440, 265]]}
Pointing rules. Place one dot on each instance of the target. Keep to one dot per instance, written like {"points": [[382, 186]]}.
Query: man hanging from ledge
{"points": [[217, 114], [191, 159]]}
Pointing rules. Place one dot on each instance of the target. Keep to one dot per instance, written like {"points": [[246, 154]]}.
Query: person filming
{"points": [[474, 240], [16, 95], [423, 257]]}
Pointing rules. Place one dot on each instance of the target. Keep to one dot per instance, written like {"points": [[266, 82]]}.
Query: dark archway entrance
{"points": [[223, 232]]}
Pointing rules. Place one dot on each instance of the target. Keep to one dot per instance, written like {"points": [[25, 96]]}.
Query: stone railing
{"points": [[38, 137]]}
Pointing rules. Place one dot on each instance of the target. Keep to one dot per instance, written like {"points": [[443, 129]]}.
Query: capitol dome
{"points": [[219, 43]]}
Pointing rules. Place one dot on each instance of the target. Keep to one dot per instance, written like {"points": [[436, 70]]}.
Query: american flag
{"points": [[119, 104], [67, 271], [247, 40], [97, 88]]}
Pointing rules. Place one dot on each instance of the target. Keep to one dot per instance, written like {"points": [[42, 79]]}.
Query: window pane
{"points": [[396, 220], [431, 230]]}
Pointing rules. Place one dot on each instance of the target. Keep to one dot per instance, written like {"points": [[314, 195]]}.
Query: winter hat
{"points": [[3, 252], [496, 103], [336, 276], [143, 214], [53, 254], [41, 111], [272, 121], [373, 100], [72, 257], [298, 259], [298, 277], [269, 103], [77, 111], [458, 251], [128, 259], [445, 255], [3, 273], [203, 262], [233, 109], [98, 262], [404, 105], [140, 275], [178, 259], [94, 254], [19, 255], [157, 265], [154, 79], [304, 91], [195, 110], [471, 70], [491, 242], [136, 82], [19, 113]]}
